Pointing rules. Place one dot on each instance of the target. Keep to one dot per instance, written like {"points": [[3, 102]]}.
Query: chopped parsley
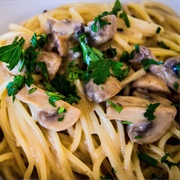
{"points": [[53, 97], [100, 67], [61, 110], [62, 90], [158, 30], [30, 91], [14, 87], [11, 54], [99, 23], [110, 52], [74, 71], [138, 137], [169, 163], [176, 86], [149, 114], [147, 63], [124, 16], [38, 41], [147, 159], [43, 69], [126, 122], [117, 107]]}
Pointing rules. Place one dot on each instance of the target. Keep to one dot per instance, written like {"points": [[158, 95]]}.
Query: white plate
{"points": [[15, 11]]}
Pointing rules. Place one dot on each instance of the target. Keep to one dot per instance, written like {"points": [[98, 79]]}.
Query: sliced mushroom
{"points": [[102, 92], [52, 60], [46, 114], [169, 72], [151, 82], [104, 34], [141, 130], [143, 53], [61, 33]]}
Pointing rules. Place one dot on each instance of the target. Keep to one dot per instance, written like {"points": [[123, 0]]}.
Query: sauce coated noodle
{"points": [[94, 147]]}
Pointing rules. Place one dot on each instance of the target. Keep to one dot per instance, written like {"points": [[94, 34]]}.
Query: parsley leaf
{"points": [[117, 107], [147, 62], [100, 67], [164, 160], [124, 16], [74, 71], [53, 97], [110, 52], [15, 86], [99, 22], [11, 53], [149, 114], [116, 8], [65, 88], [126, 122], [147, 159], [43, 69], [100, 71], [176, 85], [89, 53], [30, 91], [38, 41]]}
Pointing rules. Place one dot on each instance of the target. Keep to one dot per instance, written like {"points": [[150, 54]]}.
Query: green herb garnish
{"points": [[164, 160], [11, 54], [147, 159], [14, 87], [126, 122], [110, 52], [99, 23], [100, 67], [138, 137], [124, 16], [149, 114], [147, 63], [117, 107], [30, 91], [176, 85]]}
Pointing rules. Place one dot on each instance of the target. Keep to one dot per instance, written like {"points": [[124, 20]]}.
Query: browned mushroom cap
{"points": [[102, 92], [46, 114], [143, 53], [151, 82], [169, 72], [60, 34], [133, 111], [104, 34], [52, 60]]}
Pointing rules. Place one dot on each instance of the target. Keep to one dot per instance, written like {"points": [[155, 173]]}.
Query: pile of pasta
{"points": [[95, 147]]}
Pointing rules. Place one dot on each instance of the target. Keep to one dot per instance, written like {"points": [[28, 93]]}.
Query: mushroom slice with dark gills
{"points": [[102, 92], [46, 114], [61, 34], [169, 71], [105, 33], [141, 130], [52, 60], [152, 83]]}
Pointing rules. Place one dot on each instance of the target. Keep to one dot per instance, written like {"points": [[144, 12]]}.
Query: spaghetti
{"points": [[94, 147]]}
